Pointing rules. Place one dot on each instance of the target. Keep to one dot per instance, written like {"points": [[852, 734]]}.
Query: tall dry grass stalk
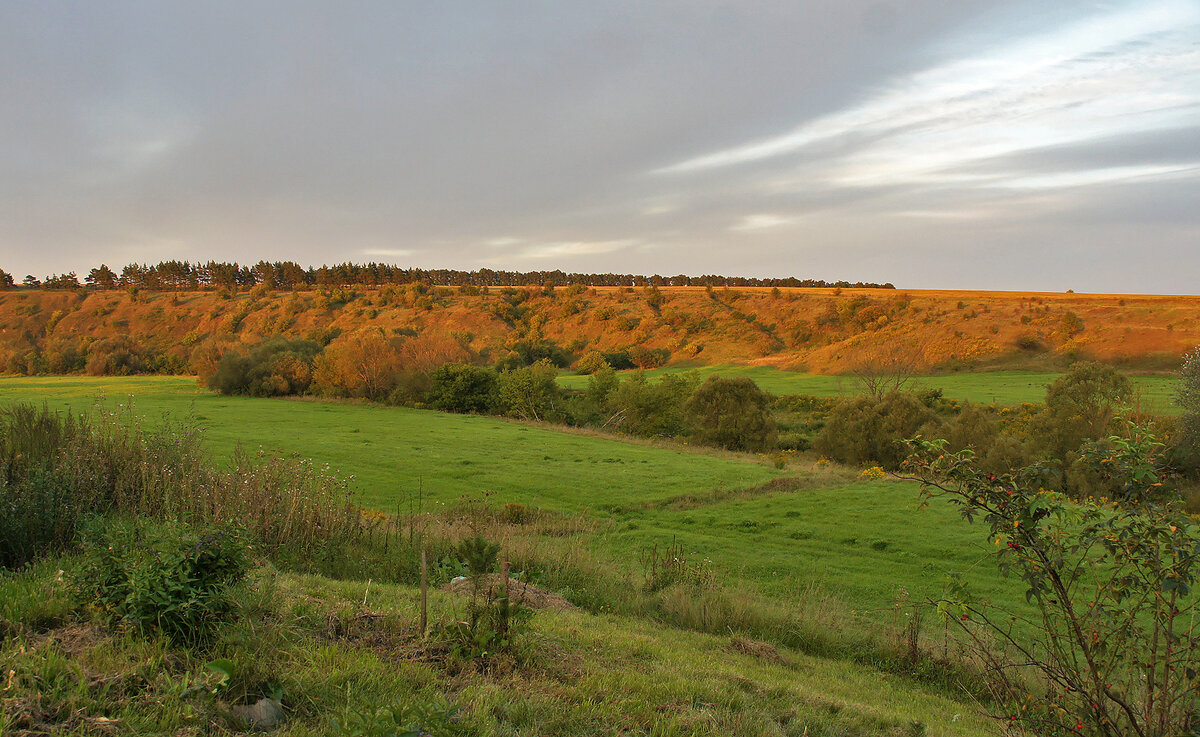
{"points": [[112, 462]]}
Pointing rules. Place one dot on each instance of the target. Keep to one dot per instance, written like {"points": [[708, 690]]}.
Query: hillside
{"points": [[817, 330]]}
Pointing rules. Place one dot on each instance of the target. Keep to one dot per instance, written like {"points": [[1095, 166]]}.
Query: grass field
{"points": [[985, 387], [392, 451], [812, 540], [860, 541]]}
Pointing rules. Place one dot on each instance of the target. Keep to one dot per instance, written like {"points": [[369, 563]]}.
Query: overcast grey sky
{"points": [[1011, 144]]}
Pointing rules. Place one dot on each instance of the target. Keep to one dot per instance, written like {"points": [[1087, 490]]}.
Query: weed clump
{"points": [[164, 579]]}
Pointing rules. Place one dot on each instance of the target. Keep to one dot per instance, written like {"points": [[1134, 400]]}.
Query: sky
{"points": [[954, 144]]}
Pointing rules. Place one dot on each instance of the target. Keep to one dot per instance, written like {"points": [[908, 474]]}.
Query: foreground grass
{"points": [[333, 647], [1004, 388]]}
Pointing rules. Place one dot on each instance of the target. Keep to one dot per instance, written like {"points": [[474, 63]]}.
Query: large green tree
{"points": [[460, 387], [1082, 404]]}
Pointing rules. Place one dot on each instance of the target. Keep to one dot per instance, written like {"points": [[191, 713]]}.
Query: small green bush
{"points": [[167, 579]]}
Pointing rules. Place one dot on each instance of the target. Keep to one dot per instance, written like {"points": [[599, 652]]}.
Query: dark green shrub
{"points": [[530, 393], [1186, 451], [731, 413], [412, 388], [528, 352], [639, 407], [1081, 405], [38, 514], [619, 360], [165, 580], [492, 623], [462, 388], [276, 367], [590, 363], [867, 429]]}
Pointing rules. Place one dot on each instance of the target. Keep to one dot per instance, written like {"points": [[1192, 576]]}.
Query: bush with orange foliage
{"points": [[361, 364]]}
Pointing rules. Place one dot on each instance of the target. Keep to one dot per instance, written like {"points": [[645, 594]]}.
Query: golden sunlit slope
{"points": [[818, 330]]}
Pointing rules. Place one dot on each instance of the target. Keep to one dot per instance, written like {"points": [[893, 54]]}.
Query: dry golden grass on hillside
{"points": [[817, 330]]}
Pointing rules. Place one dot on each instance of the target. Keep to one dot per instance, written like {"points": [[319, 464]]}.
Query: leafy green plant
{"points": [[492, 622], [371, 719], [164, 579], [1111, 644], [479, 555]]}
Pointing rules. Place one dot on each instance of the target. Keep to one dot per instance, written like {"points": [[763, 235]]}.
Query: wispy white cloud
{"points": [[502, 241], [759, 221], [1088, 177], [1133, 69], [389, 252], [575, 248]]}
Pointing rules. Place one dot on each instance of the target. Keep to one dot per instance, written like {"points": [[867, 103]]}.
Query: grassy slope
{"points": [[581, 674], [1156, 393], [818, 330]]}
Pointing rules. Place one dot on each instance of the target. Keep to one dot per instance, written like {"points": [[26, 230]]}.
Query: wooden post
{"points": [[424, 592], [507, 603]]}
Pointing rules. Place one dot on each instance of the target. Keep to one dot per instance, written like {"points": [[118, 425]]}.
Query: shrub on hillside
{"points": [[1081, 405], [528, 352], [363, 364], [648, 358], [591, 362], [530, 393], [640, 407], [432, 348], [115, 357], [276, 367], [619, 360]]}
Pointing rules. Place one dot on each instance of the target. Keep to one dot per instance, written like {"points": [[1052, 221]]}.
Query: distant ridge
{"points": [[184, 275]]}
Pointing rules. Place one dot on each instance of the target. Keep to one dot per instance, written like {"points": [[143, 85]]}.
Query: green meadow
{"points": [[818, 559], [394, 452], [864, 542], [1006, 388]]}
